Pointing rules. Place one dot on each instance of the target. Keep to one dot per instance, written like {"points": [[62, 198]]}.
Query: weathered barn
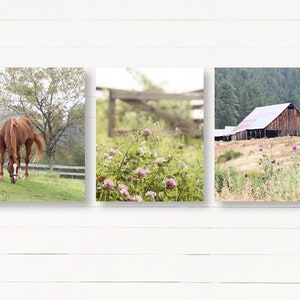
{"points": [[269, 121], [224, 134]]}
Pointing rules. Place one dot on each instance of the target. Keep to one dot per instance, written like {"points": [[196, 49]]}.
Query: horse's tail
{"points": [[40, 143], [13, 137]]}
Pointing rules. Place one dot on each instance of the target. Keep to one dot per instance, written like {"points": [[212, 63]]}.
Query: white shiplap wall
{"points": [[178, 251]]}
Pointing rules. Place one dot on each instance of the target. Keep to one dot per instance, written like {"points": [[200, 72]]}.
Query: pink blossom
{"points": [[137, 198], [260, 149], [294, 148], [245, 175], [150, 194], [107, 156], [183, 165], [124, 193], [142, 172], [128, 198], [113, 151], [141, 150], [154, 154], [108, 184], [171, 184], [147, 132], [123, 187], [160, 161]]}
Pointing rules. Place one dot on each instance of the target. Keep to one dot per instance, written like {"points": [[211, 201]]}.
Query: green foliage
{"points": [[229, 155], [254, 87], [227, 98], [78, 155], [220, 179], [226, 178], [145, 164]]}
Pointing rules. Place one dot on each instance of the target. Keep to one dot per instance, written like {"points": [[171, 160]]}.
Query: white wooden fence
{"points": [[63, 171]]}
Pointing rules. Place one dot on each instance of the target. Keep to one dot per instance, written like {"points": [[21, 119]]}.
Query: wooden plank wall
{"points": [[176, 251], [288, 122]]}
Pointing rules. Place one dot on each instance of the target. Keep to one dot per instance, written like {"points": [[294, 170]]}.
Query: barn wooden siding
{"points": [[286, 124], [239, 136]]}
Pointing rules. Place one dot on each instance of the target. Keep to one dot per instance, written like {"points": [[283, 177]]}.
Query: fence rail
{"points": [[63, 171], [140, 100]]}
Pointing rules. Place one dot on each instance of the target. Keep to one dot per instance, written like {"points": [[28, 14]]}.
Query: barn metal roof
{"points": [[219, 132], [224, 132], [261, 117], [228, 130]]}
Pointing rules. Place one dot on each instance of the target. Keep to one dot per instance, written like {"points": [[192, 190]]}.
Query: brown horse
{"points": [[14, 133]]}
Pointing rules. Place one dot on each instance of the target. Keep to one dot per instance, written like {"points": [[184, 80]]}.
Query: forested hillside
{"points": [[239, 90]]}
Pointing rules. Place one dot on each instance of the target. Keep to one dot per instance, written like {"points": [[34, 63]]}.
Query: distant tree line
{"points": [[239, 90]]}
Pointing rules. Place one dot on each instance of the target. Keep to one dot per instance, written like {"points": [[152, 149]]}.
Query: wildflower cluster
{"points": [[138, 170], [274, 178], [270, 166]]}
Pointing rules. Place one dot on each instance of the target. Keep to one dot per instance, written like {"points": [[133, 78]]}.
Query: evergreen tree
{"points": [[228, 100], [256, 87]]}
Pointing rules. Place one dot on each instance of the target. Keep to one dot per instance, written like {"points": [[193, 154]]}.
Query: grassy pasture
{"points": [[42, 187], [258, 170]]}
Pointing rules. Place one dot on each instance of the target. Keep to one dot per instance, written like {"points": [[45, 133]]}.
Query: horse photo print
{"points": [[149, 134], [42, 149], [257, 135]]}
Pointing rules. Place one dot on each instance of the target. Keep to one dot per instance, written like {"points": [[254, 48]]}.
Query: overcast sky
{"points": [[173, 80]]}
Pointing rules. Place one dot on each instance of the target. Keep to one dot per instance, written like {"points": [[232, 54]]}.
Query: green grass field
{"points": [[42, 187]]}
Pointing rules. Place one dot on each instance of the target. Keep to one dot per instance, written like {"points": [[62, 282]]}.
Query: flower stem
{"points": [[126, 152]]}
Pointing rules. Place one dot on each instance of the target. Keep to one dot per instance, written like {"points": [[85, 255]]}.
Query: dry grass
{"points": [[280, 151], [281, 185]]}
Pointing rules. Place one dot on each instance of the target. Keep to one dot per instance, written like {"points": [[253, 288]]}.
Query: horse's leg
{"points": [[28, 146], [19, 162], [2, 154]]}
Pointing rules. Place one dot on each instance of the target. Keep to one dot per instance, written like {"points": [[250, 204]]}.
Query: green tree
{"points": [[260, 86], [228, 104], [245, 106], [52, 98]]}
